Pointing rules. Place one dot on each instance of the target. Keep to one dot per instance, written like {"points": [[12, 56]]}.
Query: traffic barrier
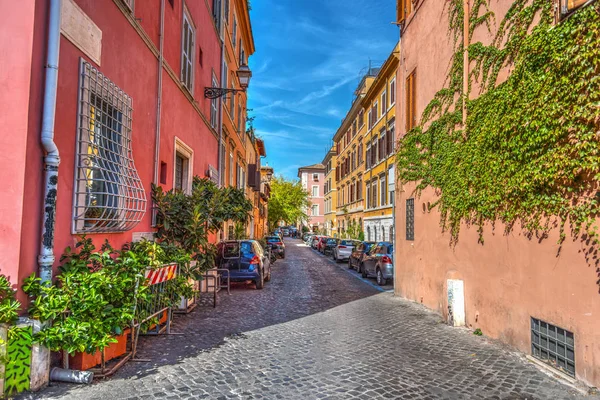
{"points": [[160, 304]]}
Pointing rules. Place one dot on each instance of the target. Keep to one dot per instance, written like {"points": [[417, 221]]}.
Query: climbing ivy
{"points": [[529, 151]]}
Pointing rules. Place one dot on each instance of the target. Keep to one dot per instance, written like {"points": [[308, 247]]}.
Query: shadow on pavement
{"points": [[302, 284]]}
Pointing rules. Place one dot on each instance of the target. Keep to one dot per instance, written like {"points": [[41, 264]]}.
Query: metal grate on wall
{"points": [[553, 345], [410, 219], [108, 194]]}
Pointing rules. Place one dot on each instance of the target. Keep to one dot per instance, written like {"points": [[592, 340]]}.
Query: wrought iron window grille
{"points": [[108, 195]]}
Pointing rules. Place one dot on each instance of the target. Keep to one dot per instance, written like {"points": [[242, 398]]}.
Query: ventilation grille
{"points": [[553, 345]]}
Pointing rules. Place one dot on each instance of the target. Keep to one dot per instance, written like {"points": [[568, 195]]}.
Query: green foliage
{"points": [[239, 231], [9, 306], [477, 332], [91, 301], [530, 148], [288, 201], [187, 220]]}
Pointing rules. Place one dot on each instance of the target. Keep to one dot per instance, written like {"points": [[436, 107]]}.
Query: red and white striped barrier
{"points": [[160, 275]]}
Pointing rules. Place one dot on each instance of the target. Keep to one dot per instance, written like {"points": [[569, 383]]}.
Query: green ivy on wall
{"points": [[530, 148]]}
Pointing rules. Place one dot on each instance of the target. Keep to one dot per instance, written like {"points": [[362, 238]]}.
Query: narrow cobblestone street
{"points": [[315, 332]]}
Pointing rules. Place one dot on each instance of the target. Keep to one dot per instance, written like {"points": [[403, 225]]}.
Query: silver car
{"points": [[379, 263], [344, 249]]}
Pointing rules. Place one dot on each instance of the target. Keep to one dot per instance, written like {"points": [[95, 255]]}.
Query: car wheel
{"points": [[381, 281], [260, 282], [362, 270]]}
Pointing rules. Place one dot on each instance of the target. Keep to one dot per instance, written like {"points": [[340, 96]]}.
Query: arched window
{"points": [[375, 232], [392, 234], [369, 233], [382, 234]]}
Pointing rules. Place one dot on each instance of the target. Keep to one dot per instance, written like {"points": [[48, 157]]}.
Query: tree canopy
{"points": [[289, 201]]}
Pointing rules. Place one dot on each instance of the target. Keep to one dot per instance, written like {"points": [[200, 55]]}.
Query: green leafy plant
{"points": [[477, 332], [529, 150], [187, 221], [9, 306], [91, 301]]}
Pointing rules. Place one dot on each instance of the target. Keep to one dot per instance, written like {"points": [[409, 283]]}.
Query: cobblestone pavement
{"points": [[317, 332]]}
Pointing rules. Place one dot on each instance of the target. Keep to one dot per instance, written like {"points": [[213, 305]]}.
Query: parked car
{"points": [[358, 254], [245, 260], [286, 232], [278, 233], [379, 263], [322, 243], [330, 245], [344, 249], [314, 241], [306, 236], [277, 246]]}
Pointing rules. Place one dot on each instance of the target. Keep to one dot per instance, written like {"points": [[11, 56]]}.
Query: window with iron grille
{"points": [[108, 192], [553, 345], [410, 219], [188, 42]]}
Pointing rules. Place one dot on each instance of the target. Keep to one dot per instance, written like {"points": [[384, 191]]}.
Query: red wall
{"points": [[129, 63], [16, 41]]}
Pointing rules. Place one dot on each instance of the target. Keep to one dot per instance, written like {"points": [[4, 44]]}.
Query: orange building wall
{"points": [[508, 279]]}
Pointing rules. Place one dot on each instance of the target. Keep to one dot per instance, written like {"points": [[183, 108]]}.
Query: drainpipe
{"points": [[220, 156], [51, 159], [159, 98]]}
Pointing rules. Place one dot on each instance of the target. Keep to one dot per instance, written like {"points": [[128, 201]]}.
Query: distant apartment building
{"points": [[350, 144], [379, 104], [313, 181], [530, 292], [330, 192]]}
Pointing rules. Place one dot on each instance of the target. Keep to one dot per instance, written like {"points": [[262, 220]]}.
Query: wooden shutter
{"points": [[411, 118]]}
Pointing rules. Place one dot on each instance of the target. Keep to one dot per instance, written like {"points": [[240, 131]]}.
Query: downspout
{"points": [[159, 98], [51, 159], [220, 154]]}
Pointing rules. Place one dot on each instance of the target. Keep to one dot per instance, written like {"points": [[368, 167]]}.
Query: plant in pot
{"points": [[90, 303]]}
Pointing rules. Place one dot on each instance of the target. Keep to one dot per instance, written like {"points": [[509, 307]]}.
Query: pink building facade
{"points": [[313, 181], [130, 112]]}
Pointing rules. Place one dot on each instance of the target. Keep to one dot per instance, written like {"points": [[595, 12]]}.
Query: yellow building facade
{"points": [[349, 142], [330, 191], [379, 106]]}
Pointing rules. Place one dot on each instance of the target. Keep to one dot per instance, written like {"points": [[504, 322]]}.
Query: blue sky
{"points": [[309, 55]]}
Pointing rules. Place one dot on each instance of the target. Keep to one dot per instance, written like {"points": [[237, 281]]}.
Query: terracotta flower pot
{"points": [[85, 361]]}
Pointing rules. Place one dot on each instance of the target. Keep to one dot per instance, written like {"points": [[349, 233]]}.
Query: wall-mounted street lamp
{"points": [[244, 74]]}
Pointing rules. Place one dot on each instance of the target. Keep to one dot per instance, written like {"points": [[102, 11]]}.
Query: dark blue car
{"points": [[245, 260]]}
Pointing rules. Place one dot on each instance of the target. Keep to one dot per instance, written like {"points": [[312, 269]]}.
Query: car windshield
{"points": [[347, 243], [331, 241], [273, 239]]}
